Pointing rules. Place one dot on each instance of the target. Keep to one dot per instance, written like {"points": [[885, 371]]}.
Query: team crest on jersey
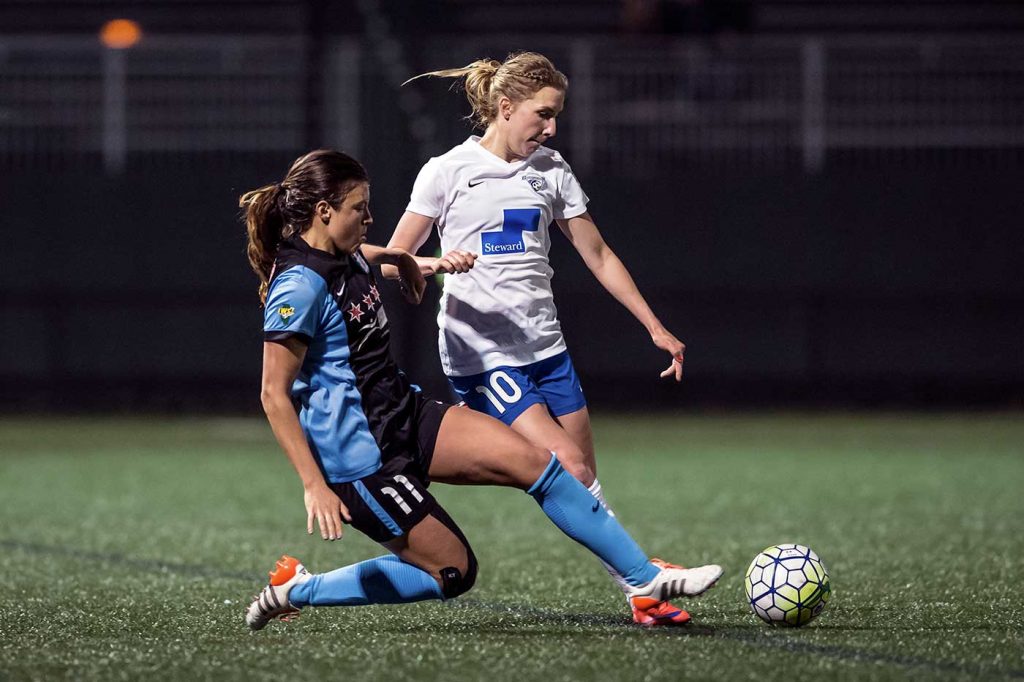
{"points": [[538, 183], [285, 311]]}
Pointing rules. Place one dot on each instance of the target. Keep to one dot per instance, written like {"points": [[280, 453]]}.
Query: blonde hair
{"points": [[519, 78], [278, 211]]}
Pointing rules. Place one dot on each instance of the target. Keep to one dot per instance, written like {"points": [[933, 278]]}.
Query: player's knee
{"points": [[456, 580], [536, 456], [582, 473], [576, 463], [528, 463]]}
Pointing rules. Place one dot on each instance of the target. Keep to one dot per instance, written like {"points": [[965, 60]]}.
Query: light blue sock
{"points": [[384, 580], [575, 511]]}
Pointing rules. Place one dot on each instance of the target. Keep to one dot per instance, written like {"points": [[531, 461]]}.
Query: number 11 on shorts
{"points": [[503, 391]]}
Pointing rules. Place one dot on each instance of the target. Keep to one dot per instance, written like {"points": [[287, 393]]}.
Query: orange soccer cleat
{"points": [[272, 601], [662, 613], [672, 581]]}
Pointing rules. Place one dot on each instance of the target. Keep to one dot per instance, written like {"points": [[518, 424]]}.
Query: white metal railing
{"points": [[64, 96], [631, 106]]}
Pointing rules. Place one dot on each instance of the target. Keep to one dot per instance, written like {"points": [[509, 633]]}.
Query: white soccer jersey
{"points": [[502, 312]]}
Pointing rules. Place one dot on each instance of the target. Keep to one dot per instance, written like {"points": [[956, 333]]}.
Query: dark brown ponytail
{"points": [[264, 226], [278, 211]]}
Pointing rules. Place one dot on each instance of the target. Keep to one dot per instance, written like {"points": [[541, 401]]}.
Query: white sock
{"points": [[595, 490]]}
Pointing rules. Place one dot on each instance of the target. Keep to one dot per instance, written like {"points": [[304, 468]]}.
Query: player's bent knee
{"points": [[455, 582], [574, 461], [582, 473], [531, 463]]}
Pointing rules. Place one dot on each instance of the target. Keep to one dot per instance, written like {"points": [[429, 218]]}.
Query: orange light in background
{"points": [[120, 34]]}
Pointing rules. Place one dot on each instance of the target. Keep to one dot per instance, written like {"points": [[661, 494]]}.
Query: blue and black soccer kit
{"points": [[372, 433]]}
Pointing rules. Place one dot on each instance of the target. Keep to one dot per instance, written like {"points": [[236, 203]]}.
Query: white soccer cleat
{"points": [[272, 601], [673, 582]]}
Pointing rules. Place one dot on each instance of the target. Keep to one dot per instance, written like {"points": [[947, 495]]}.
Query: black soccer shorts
{"points": [[389, 502], [392, 500]]}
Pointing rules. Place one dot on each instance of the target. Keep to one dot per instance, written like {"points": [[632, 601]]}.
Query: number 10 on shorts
{"points": [[501, 392]]}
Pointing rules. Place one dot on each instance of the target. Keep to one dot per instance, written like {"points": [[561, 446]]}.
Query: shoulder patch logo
{"points": [[538, 183], [285, 311]]}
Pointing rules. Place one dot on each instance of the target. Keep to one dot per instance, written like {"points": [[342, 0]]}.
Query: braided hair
{"points": [[519, 78]]}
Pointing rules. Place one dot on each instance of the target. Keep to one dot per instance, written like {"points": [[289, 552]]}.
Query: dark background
{"points": [[888, 276]]}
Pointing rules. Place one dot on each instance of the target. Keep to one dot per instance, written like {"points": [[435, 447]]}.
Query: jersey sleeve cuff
{"points": [[421, 209], [282, 334], [572, 213]]}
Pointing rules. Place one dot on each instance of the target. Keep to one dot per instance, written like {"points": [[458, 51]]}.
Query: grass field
{"points": [[130, 549]]}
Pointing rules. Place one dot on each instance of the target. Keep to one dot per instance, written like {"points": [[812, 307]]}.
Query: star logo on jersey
{"points": [[285, 311], [368, 301], [375, 293], [355, 313], [538, 183]]}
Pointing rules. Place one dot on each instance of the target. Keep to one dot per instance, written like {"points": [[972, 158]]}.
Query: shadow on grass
{"points": [[754, 636], [531, 621]]}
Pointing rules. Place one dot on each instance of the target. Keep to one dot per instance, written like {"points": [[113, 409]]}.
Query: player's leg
{"points": [[432, 558], [538, 426], [431, 561], [557, 381], [512, 395], [472, 448], [568, 419], [575, 426], [531, 399]]}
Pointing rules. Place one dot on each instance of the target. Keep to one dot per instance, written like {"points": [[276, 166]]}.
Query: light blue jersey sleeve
{"points": [[294, 305]]}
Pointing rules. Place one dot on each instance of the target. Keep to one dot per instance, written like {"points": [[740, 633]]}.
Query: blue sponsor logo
{"points": [[510, 238]]}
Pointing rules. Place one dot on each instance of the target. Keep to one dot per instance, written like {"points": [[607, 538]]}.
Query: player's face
{"points": [[348, 224], [532, 121]]}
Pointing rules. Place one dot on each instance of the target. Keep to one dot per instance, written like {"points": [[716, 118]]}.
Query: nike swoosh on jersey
{"points": [[478, 182]]}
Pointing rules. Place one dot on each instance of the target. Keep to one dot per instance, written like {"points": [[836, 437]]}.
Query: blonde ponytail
{"points": [[519, 77]]}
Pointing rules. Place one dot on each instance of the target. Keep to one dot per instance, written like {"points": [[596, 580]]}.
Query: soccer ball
{"points": [[787, 585]]}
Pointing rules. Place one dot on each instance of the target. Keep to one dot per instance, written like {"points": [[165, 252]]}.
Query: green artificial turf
{"points": [[131, 547]]}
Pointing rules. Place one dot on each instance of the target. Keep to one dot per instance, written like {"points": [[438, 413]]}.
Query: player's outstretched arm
{"points": [[281, 363], [407, 270], [582, 232], [410, 234]]}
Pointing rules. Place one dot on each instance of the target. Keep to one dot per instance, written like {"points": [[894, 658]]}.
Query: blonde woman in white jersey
{"points": [[492, 199]]}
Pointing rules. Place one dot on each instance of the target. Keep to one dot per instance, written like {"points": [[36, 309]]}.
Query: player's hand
{"points": [[664, 340], [410, 279], [327, 509], [453, 262]]}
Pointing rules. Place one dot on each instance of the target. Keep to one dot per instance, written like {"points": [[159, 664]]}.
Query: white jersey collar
{"points": [[473, 142]]}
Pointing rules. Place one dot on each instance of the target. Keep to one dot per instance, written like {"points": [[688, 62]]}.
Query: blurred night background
{"points": [[822, 198]]}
